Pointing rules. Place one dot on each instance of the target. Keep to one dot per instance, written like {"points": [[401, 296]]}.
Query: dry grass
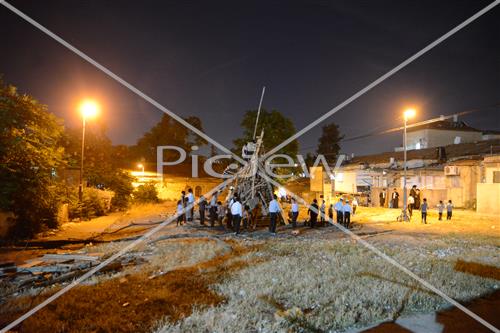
{"points": [[277, 285], [323, 285], [134, 300]]}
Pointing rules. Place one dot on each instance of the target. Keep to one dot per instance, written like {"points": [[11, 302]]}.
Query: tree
{"points": [[277, 128], [168, 131], [328, 143], [102, 163], [30, 152]]}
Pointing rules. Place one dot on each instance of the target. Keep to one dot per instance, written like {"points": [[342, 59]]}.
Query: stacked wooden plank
{"points": [[48, 269]]}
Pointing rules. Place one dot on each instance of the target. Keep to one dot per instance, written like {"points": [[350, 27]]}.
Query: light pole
{"points": [[141, 166], [88, 109], [409, 113]]}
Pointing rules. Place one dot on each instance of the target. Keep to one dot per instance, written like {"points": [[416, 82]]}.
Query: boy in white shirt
{"points": [[440, 208]]}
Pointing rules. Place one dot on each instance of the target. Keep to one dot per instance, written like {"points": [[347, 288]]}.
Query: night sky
{"points": [[211, 59]]}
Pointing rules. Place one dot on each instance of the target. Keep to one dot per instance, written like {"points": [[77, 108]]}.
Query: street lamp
{"points": [[88, 109], [141, 166], [408, 113]]}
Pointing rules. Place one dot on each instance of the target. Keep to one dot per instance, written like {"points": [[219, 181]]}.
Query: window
{"points": [[197, 191], [496, 176]]}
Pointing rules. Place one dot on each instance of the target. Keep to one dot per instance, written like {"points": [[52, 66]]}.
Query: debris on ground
{"points": [[51, 269]]}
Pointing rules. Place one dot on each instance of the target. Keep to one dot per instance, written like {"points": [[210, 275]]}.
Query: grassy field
{"points": [[318, 281]]}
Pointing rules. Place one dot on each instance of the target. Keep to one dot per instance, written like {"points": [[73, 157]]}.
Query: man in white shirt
{"points": [[190, 198], [295, 212], [274, 209], [338, 209], [236, 214]]}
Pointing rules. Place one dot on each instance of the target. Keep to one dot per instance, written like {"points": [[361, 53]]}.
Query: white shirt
{"points": [[236, 209], [338, 206], [295, 207], [213, 200], [346, 208], [274, 207], [180, 208], [411, 200], [190, 197]]}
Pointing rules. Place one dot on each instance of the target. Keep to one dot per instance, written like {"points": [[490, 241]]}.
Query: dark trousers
{"points": [[440, 216], [180, 218], [236, 223], [424, 217], [272, 225], [410, 209], [448, 215], [340, 217], [347, 219], [202, 216], [312, 220], [229, 220], [354, 210], [213, 215], [295, 215]]}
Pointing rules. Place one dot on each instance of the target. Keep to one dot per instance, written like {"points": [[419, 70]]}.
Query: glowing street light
{"points": [[88, 109], [408, 113], [141, 166]]}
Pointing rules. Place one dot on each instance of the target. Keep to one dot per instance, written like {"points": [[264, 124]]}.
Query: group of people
{"points": [[415, 203], [185, 208], [343, 211]]}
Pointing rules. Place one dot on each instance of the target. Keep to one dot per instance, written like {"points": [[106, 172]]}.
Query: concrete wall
{"points": [[5, 223], [171, 187], [462, 189], [345, 181], [432, 195], [435, 138], [488, 198]]}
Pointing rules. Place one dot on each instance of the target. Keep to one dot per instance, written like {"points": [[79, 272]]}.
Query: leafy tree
{"points": [[167, 132], [30, 152], [277, 128], [146, 193], [102, 163], [98, 160], [328, 143]]}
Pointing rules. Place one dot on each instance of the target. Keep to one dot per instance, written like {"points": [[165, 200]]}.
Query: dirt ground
{"points": [[195, 278]]}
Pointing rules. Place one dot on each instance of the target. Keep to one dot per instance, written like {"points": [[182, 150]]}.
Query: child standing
{"points": [[423, 209], [440, 208], [221, 212], [180, 216], [449, 208], [354, 205]]}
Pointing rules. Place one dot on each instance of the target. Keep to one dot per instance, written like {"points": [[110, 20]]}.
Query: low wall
{"points": [[171, 187], [488, 198], [5, 223]]}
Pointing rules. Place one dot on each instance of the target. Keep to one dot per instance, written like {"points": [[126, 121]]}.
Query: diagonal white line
{"points": [[117, 78], [383, 77], [215, 143], [393, 262], [115, 256]]}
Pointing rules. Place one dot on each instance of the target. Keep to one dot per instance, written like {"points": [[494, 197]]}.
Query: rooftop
{"points": [[452, 152], [445, 125]]}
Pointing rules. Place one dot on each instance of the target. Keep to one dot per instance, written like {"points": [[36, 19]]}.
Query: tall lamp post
{"points": [[408, 113], [88, 109], [141, 166]]}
